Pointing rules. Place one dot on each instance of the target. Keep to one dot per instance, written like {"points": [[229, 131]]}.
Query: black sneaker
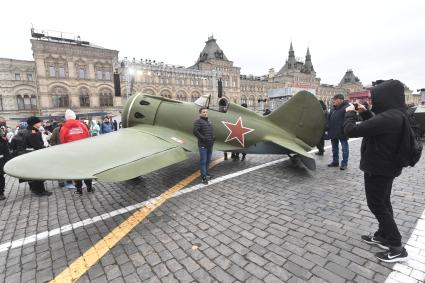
{"points": [[79, 192], [375, 241], [333, 164], [209, 177], [44, 193], [90, 190], [392, 255], [343, 167], [204, 181]]}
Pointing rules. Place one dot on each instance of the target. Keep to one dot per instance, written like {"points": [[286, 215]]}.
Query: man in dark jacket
{"points": [[4, 156], [381, 132], [321, 145], [34, 141], [203, 130], [336, 132]]}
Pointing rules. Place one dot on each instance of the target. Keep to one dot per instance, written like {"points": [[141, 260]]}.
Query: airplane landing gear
{"points": [[295, 159]]}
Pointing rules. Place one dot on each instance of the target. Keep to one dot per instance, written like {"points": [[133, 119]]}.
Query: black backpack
{"points": [[410, 149]]}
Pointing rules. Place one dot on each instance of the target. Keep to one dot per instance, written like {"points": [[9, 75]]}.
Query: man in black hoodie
{"points": [[203, 130], [336, 134], [34, 141], [381, 131]]}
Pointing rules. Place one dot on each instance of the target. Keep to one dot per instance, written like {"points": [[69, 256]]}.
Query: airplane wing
{"points": [[116, 156], [298, 147]]}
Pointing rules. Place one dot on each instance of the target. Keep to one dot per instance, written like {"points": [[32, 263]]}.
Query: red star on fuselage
{"points": [[237, 131]]}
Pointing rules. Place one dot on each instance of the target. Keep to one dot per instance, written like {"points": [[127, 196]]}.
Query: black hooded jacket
{"points": [[381, 132]]}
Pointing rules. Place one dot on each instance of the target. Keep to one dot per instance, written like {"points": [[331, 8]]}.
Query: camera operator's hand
{"points": [[350, 108]]}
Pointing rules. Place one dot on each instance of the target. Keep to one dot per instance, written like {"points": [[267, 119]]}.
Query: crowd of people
{"points": [[50, 129], [34, 134]]}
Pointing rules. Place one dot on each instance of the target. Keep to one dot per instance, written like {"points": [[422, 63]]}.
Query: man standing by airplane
{"points": [[336, 132], [73, 130], [203, 130]]}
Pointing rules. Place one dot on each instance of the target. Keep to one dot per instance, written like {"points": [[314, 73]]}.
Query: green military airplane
{"points": [[158, 132]]}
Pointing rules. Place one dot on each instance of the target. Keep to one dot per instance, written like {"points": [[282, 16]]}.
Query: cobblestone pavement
{"points": [[279, 223]]}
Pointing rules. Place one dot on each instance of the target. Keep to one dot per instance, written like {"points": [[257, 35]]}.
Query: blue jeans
{"points": [[205, 158], [335, 150]]}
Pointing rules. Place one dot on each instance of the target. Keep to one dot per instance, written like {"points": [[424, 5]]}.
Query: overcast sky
{"points": [[377, 39]]}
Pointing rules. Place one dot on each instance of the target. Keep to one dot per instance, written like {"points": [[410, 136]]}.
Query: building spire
{"points": [[308, 65], [291, 52]]}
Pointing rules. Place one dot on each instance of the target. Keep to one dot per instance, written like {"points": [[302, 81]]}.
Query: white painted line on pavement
{"points": [[44, 235], [412, 270]]}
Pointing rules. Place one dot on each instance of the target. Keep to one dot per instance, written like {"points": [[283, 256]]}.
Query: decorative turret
{"points": [[291, 63], [349, 78], [211, 51], [308, 65]]}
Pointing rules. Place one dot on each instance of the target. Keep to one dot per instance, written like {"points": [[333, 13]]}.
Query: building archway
{"points": [[194, 96], [244, 99], [149, 91], [106, 98], [84, 97], [181, 95], [60, 97]]}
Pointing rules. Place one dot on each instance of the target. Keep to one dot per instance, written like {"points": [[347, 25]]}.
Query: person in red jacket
{"points": [[73, 130]]}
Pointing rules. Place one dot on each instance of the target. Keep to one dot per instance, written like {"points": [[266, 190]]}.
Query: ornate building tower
{"points": [[213, 60], [350, 82], [308, 65], [297, 74]]}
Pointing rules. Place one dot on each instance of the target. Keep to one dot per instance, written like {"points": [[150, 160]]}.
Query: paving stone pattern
{"points": [[277, 224]]}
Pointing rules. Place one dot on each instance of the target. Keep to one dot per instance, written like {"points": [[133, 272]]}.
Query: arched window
{"points": [[60, 97], [105, 98], [195, 95], [84, 98], [148, 91], [181, 96], [20, 101], [26, 102], [33, 102], [251, 101], [166, 93], [243, 99]]}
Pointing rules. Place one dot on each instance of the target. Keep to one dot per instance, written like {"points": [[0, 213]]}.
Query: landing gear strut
{"points": [[295, 159]]}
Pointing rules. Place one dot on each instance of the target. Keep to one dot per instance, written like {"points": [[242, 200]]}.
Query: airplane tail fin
{"points": [[303, 116]]}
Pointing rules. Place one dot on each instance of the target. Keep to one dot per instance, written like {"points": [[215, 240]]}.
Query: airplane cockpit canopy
{"points": [[203, 101]]}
